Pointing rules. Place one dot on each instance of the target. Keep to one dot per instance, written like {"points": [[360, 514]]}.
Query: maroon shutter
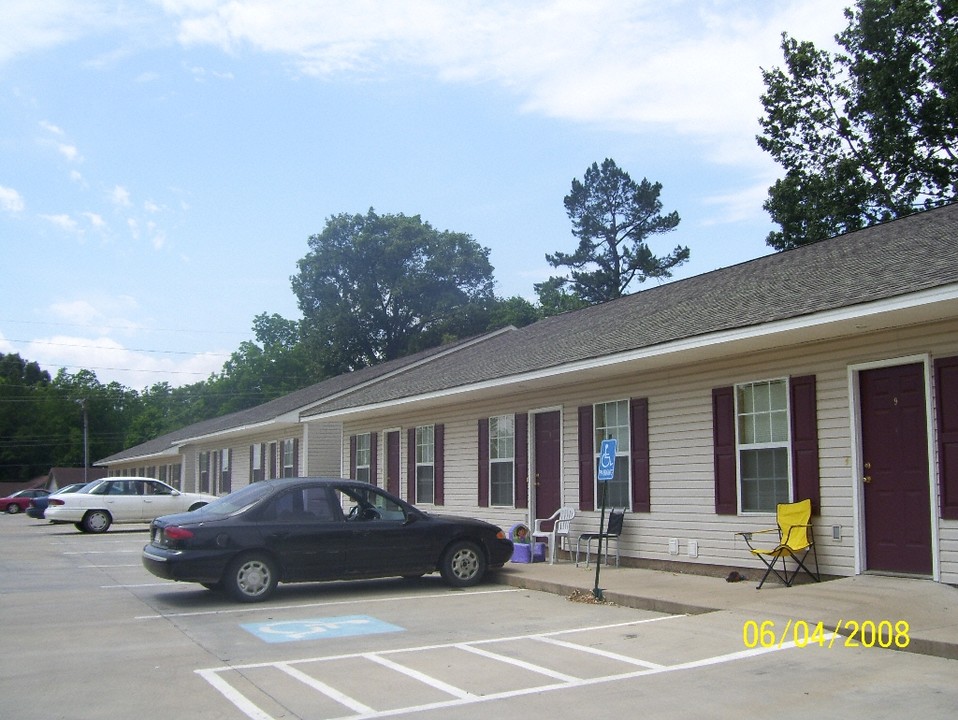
{"points": [[439, 461], [641, 480], [373, 458], [586, 459], [411, 465], [946, 411], [352, 457], [272, 460], [483, 462], [723, 435], [295, 457], [805, 475], [252, 471], [522, 460]]}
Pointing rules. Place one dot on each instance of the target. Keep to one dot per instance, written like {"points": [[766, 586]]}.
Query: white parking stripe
{"points": [[518, 663], [462, 697], [242, 703], [601, 653], [325, 689], [421, 677]]}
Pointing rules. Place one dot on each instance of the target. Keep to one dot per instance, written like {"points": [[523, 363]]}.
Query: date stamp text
{"points": [[853, 633]]}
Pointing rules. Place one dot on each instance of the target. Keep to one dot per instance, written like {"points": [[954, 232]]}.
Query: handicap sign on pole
{"points": [[606, 473], [607, 460]]}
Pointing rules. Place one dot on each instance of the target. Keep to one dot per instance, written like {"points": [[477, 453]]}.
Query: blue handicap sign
{"points": [[319, 628], [607, 460]]}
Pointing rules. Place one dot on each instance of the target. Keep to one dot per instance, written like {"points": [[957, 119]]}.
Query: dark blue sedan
{"points": [[38, 505], [310, 529]]}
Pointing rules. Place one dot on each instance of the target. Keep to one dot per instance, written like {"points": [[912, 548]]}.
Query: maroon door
{"points": [[895, 470], [392, 463], [547, 461]]}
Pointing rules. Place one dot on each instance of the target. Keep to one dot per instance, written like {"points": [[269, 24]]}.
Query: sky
{"points": [[164, 162]]}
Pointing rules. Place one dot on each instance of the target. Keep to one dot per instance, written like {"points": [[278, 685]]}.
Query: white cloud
{"points": [[29, 26], [69, 152], [690, 67], [96, 220], [63, 221], [51, 128], [120, 196], [10, 200]]}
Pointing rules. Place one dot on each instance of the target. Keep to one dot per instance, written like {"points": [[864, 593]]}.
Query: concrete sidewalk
{"points": [[929, 608]]}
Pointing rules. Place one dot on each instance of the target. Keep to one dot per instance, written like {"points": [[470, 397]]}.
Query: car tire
{"points": [[97, 521], [13, 509], [251, 577], [463, 564]]}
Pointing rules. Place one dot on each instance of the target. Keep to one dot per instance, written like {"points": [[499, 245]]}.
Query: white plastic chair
{"points": [[560, 529]]}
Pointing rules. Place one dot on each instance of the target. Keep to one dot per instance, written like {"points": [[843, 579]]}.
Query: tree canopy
{"points": [[869, 133], [377, 287], [614, 218]]}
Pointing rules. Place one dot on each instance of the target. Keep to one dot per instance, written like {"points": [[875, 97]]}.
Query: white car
{"points": [[121, 500]]}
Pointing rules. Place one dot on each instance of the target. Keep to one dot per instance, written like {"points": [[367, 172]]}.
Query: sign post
{"points": [[606, 473]]}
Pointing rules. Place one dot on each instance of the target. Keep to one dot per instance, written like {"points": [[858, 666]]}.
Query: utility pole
{"points": [[86, 439]]}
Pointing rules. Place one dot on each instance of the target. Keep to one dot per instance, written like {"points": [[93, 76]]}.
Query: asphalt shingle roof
{"points": [[278, 407], [905, 256], [908, 255]]}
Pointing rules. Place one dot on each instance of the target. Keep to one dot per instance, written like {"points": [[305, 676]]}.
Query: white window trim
{"points": [[620, 455], [501, 461], [432, 464], [740, 446]]}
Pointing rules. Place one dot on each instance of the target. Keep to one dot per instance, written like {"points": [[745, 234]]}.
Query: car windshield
{"points": [[236, 501]]}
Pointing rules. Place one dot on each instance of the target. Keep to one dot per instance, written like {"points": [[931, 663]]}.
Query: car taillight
{"points": [[55, 501], [177, 533]]}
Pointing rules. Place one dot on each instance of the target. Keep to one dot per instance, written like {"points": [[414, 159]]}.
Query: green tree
{"points": [[613, 217], [377, 287], [869, 133]]}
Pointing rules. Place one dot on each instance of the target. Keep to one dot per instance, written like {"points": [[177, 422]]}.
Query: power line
{"points": [[97, 326], [105, 347]]}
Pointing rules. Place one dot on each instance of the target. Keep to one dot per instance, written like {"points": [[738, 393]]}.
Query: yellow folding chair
{"points": [[795, 541]]}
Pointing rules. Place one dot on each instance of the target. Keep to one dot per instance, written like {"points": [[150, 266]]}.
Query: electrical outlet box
{"points": [[693, 548], [673, 546], [837, 533]]}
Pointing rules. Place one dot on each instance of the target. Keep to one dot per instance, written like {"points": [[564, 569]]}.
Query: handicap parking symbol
{"points": [[319, 628]]}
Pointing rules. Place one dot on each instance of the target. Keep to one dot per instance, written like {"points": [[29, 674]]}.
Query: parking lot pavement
{"points": [[87, 633]]}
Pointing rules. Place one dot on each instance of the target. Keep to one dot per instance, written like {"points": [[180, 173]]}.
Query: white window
{"points": [[425, 464], [257, 469], [363, 457], [762, 434], [612, 423], [289, 458], [502, 455]]}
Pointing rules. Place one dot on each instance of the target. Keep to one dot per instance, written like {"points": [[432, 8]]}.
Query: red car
{"points": [[18, 501]]}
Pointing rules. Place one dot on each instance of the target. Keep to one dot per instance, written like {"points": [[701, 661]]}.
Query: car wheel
{"points": [[463, 564], [97, 521], [13, 509], [80, 526], [251, 578]]}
